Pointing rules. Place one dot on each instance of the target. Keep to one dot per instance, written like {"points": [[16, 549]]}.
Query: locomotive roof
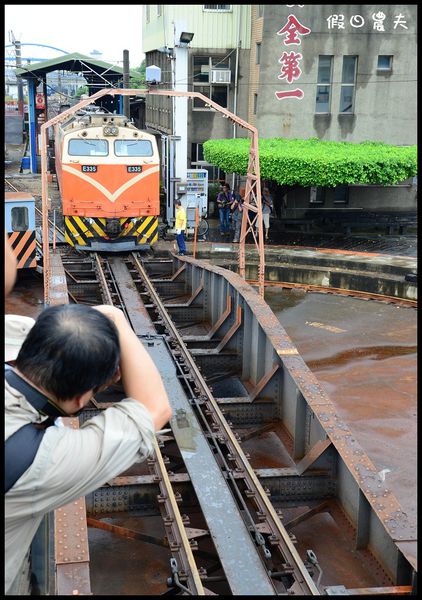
{"points": [[96, 120], [18, 197]]}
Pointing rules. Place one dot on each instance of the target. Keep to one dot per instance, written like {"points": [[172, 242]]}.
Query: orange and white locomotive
{"points": [[109, 178]]}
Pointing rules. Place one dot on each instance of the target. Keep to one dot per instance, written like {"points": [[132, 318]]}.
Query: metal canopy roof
{"points": [[94, 71]]}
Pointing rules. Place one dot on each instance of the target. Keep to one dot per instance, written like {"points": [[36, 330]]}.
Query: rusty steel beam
{"points": [[71, 549], [309, 287], [127, 533], [308, 399]]}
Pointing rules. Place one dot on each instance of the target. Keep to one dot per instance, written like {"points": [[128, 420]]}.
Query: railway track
{"points": [[234, 518], [227, 529], [272, 560]]}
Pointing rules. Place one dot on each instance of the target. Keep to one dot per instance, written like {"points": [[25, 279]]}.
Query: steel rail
{"points": [[103, 282], [11, 185], [173, 520], [279, 537], [217, 439]]}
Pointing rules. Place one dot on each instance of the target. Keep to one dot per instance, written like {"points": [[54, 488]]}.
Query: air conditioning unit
{"points": [[221, 75]]}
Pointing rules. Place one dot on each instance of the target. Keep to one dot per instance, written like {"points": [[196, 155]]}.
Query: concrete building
{"points": [[336, 72], [354, 64], [215, 63]]}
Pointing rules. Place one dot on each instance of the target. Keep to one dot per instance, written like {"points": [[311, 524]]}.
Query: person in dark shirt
{"points": [[224, 200], [237, 212]]}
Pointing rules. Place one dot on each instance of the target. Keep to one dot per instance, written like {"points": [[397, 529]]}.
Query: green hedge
{"points": [[315, 162]]}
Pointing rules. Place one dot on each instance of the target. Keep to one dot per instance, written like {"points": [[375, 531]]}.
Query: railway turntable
{"points": [[213, 512]]}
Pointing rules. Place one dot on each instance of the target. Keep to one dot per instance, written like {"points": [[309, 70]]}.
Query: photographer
{"points": [[70, 353]]}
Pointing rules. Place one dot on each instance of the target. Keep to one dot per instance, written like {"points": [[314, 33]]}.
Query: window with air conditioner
{"points": [[220, 76], [211, 77]]}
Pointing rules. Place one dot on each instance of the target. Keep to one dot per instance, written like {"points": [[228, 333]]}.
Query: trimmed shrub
{"points": [[314, 162]]}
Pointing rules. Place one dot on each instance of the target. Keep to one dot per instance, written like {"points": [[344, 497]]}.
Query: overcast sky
{"points": [[109, 29]]}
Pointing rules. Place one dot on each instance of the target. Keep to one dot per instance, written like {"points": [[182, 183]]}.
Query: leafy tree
{"points": [[314, 162], [82, 90], [138, 82]]}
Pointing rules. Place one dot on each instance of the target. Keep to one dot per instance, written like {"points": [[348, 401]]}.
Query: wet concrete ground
{"points": [[364, 354]]}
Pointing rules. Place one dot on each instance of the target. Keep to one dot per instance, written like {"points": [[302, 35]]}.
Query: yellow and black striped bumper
{"points": [[24, 248], [90, 233]]}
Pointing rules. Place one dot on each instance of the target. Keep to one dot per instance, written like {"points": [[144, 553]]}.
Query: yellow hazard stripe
{"points": [[148, 231], [77, 236]]}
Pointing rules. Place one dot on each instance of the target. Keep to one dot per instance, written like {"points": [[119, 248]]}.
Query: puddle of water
{"points": [[368, 370], [26, 298]]}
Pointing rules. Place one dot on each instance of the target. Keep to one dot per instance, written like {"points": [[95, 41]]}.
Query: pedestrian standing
{"points": [[224, 200], [180, 227], [237, 212], [267, 208]]}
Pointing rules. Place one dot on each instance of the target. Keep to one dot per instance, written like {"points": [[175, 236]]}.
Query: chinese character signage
{"points": [[377, 20], [292, 32]]}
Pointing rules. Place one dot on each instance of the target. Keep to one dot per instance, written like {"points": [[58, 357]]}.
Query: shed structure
{"points": [[98, 74]]}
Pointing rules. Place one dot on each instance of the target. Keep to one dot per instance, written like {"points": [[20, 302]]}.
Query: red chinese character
{"points": [[292, 27], [291, 69], [290, 94]]}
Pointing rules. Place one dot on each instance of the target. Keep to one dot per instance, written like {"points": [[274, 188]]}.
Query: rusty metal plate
{"points": [[73, 580], [57, 288]]}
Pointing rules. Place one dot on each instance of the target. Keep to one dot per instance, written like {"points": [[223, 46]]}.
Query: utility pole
{"points": [[126, 105], [18, 53]]}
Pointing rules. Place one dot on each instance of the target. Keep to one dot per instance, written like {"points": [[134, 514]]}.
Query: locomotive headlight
{"points": [[110, 130]]}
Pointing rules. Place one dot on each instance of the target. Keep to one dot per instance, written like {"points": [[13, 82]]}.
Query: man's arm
{"points": [[10, 267], [140, 377]]}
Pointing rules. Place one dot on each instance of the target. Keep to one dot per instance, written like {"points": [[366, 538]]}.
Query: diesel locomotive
{"points": [[108, 174]]}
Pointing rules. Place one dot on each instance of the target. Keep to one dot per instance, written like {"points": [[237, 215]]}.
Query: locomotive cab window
{"points": [[88, 148], [133, 148], [20, 218]]}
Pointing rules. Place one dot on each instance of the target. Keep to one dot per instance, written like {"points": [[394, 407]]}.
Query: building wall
{"points": [[399, 198], [216, 34], [385, 102], [211, 28], [254, 67], [13, 129]]}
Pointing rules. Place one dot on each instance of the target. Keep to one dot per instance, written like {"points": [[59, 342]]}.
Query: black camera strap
{"points": [[22, 446]]}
